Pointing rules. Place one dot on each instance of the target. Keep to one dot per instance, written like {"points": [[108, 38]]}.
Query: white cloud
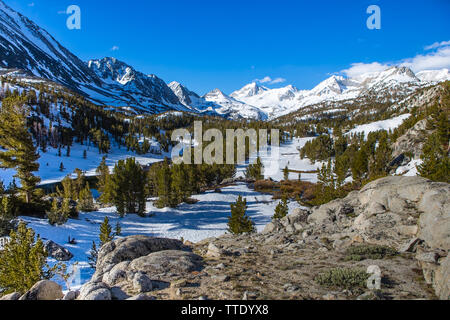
{"points": [[31, 4], [436, 57], [264, 80], [358, 69], [435, 60], [278, 80], [437, 45], [269, 80], [115, 48]]}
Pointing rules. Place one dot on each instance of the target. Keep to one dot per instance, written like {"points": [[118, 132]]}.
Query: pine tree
{"points": [[255, 171], [118, 229], [239, 222], [281, 210], [194, 178], [105, 232], [286, 173], [180, 183], [93, 256], [20, 151], [382, 156], [86, 200], [436, 162], [59, 215], [128, 187], [341, 166], [359, 165], [104, 182], [164, 185], [6, 215], [23, 261]]}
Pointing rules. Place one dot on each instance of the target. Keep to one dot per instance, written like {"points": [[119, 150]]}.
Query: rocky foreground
{"points": [[399, 225]]}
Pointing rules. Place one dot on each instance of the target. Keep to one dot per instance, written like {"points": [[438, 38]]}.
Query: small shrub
{"points": [[374, 252], [346, 278]]}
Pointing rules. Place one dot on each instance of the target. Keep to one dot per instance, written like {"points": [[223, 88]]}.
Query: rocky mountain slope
{"points": [[145, 92], [26, 46]]}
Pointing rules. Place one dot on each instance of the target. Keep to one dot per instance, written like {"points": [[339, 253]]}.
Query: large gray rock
{"points": [[392, 211], [95, 291], [129, 248], [138, 264], [44, 290], [412, 141], [169, 261], [57, 251]]}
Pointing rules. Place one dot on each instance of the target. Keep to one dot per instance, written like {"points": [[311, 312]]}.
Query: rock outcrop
{"points": [[44, 290], [392, 211], [57, 251], [137, 265], [407, 216], [412, 141]]}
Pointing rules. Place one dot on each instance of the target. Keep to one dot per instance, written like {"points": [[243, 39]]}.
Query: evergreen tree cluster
{"points": [[23, 262], [239, 222], [255, 170], [281, 209], [435, 157]]}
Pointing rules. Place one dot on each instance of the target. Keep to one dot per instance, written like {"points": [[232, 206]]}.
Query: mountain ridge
{"points": [[30, 51]]}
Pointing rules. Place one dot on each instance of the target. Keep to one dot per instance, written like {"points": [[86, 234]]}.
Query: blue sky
{"points": [[227, 44]]}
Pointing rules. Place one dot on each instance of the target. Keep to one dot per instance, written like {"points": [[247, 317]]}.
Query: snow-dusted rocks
{"points": [[57, 251]]}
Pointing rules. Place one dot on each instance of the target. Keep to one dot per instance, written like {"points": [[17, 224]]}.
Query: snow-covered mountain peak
{"points": [[334, 85], [248, 90], [215, 94], [433, 75], [394, 74], [111, 69], [186, 97]]}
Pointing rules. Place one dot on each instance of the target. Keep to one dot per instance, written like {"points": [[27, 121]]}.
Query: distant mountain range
{"points": [[28, 51]]}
